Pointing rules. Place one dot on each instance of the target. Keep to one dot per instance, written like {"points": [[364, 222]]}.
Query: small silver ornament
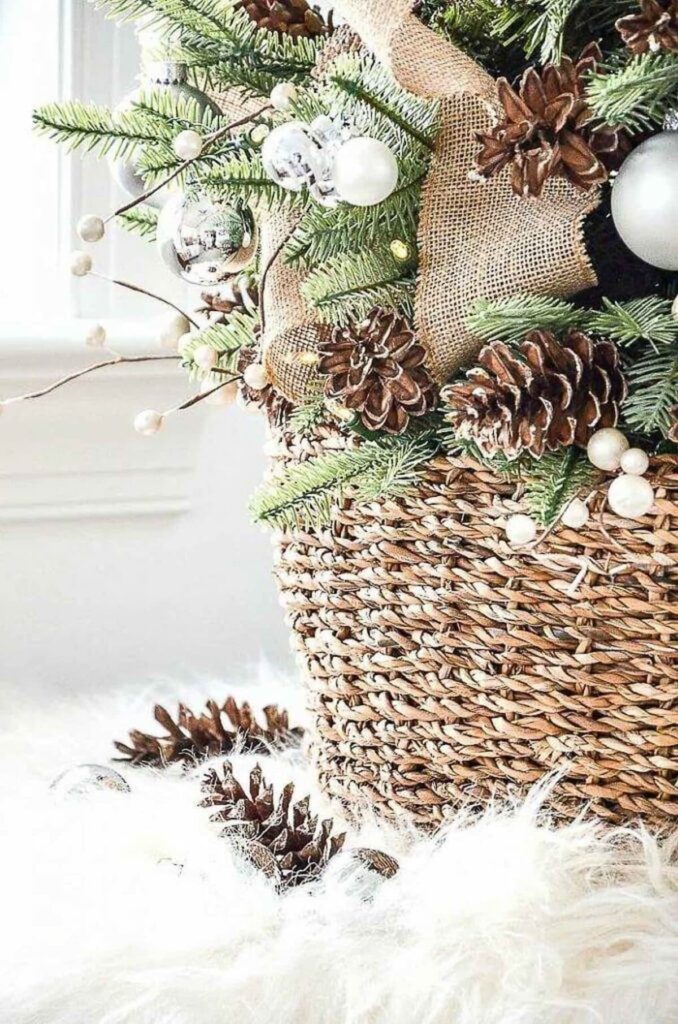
{"points": [[205, 242], [166, 75], [645, 201], [88, 778], [292, 157], [330, 132]]}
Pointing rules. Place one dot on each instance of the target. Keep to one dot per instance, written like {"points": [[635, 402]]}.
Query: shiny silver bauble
{"points": [[645, 201], [204, 242]]}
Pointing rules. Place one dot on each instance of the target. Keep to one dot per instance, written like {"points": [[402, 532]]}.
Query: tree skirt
{"points": [[131, 909]]}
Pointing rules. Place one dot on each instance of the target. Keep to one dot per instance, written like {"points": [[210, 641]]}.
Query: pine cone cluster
{"points": [[192, 737], [543, 395], [289, 17], [376, 368], [654, 28], [547, 130], [281, 838]]}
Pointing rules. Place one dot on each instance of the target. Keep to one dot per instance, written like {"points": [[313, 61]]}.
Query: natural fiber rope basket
{"points": [[447, 667]]}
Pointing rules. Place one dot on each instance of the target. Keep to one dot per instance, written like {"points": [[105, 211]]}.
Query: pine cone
{"points": [[654, 28], [191, 738], [376, 368], [289, 17], [544, 395], [547, 130], [281, 838], [240, 293], [275, 405]]}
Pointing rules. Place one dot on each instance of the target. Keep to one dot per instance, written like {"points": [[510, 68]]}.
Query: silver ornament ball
{"points": [[205, 242], [84, 779], [645, 201], [292, 157]]}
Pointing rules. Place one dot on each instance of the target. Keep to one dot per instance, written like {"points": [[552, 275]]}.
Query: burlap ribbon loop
{"points": [[476, 239]]}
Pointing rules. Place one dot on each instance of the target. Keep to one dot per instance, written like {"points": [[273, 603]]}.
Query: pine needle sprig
{"points": [[638, 95], [554, 480], [648, 319], [511, 319], [306, 419], [307, 493], [93, 128], [347, 286], [242, 176], [142, 220], [225, 339], [653, 391]]}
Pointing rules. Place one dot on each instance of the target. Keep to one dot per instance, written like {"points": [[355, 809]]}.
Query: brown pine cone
{"points": [[655, 27], [376, 368], [190, 738], [541, 396], [289, 17], [546, 130], [281, 838], [673, 425]]}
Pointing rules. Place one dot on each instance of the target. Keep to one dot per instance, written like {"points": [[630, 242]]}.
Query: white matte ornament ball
{"points": [[81, 263], [91, 228], [148, 422], [172, 330], [188, 145], [95, 336], [645, 201], [630, 496], [205, 357], [255, 376], [521, 529], [84, 779], [365, 172], [283, 95], [575, 515], [635, 462], [606, 448]]}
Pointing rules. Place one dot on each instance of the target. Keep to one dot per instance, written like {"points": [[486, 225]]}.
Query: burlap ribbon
{"points": [[475, 239]]}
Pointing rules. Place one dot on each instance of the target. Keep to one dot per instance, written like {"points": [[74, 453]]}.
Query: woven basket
{"points": [[447, 667]]}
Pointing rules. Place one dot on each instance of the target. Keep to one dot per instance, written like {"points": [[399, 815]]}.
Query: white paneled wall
{"points": [[121, 558]]}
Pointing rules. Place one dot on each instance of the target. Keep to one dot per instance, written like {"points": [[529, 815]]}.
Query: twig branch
{"points": [[264, 276], [117, 360], [202, 395], [143, 291]]}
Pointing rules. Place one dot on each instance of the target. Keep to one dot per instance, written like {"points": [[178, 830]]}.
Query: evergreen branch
{"points": [[553, 26], [653, 391], [305, 419], [638, 95], [243, 176], [307, 493], [140, 219], [554, 480], [208, 20], [511, 319], [94, 128], [226, 339], [348, 286], [646, 319]]}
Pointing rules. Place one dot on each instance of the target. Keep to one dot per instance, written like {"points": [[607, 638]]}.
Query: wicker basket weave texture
{"points": [[447, 667]]}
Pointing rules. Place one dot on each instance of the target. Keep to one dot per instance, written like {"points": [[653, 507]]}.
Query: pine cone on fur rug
{"points": [[281, 838], [191, 738]]}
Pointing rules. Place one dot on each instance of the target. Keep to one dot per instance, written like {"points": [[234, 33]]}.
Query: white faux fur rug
{"points": [[498, 921]]}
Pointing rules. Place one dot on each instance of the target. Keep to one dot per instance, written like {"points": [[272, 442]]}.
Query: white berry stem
{"points": [[143, 291], [116, 361], [201, 396], [208, 142]]}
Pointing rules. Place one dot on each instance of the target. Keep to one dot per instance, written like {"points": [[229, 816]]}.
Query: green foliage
{"points": [[549, 28], [243, 176], [511, 319], [625, 323], [653, 390], [226, 339], [552, 481], [347, 286], [307, 493], [143, 220], [639, 94], [305, 419], [93, 128]]}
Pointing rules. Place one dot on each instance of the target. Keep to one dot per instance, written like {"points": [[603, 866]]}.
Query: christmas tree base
{"points": [[129, 908]]}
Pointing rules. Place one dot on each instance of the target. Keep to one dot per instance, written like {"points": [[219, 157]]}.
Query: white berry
{"points": [[606, 448], [283, 95], [148, 422], [635, 462], [205, 357], [226, 395], [91, 228], [521, 529], [188, 145], [575, 515], [81, 263], [173, 329], [95, 336], [630, 496], [255, 376], [259, 133]]}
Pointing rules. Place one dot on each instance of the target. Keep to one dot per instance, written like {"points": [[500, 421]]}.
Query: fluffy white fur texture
{"points": [[497, 921]]}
